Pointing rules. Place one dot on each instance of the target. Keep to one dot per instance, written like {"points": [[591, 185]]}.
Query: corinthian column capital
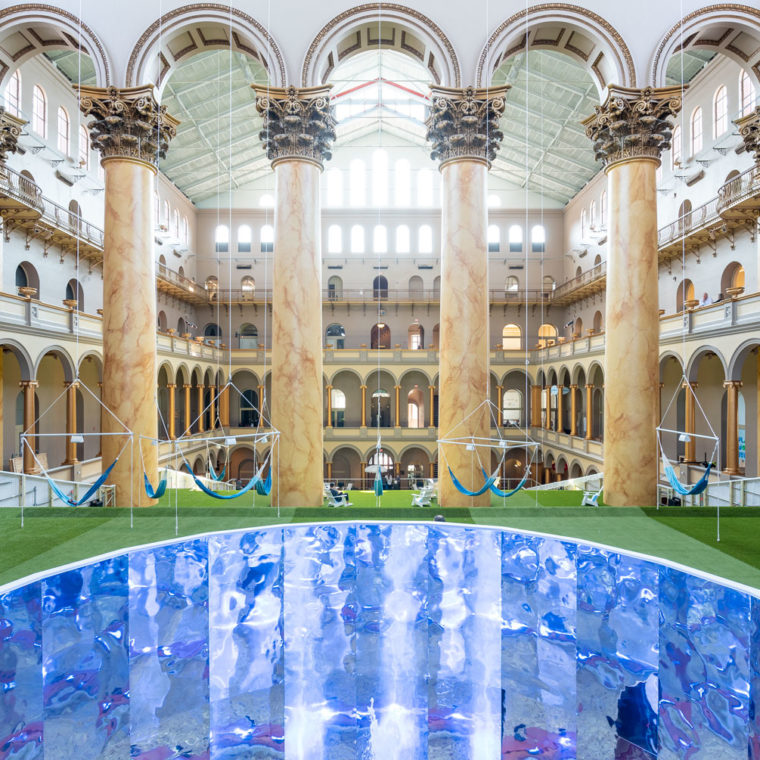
{"points": [[749, 129], [633, 123], [128, 122], [463, 123], [10, 131], [298, 123]]}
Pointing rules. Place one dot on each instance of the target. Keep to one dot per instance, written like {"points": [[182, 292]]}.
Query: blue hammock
{"points": [[488, 484], [378, 485], [507, 494], [91, 491], [214, 475], [264, 487], [694, 490], [215, 495], [160, 489]]}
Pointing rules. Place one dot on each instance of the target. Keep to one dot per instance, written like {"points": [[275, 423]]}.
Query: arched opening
{"points": [[512, 284], [547, 335], [248, 287], [684, 216], [213, 332], [161, 320], [335, 336], [338, 405], [733, 279], [75, 294], [380, 336], [684, 295], [27, 277], [436, 336], [249, 336], [381, 408], [416, 336], [415, 402], [335, 288], [598, 324], [380, 287], [511, 337], [416, 289], [512, 407]]}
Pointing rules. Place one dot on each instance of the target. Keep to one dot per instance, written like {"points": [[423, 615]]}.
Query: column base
{"points": [[732, 471]]}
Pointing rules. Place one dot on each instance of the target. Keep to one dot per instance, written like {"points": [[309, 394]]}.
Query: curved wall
{"points": [[377, 640]]}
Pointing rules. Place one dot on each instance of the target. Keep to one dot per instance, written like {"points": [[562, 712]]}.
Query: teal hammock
{"points": [[264, 487], [378, 486], [683, 490], [214, 476], [507, 494], [159, 491], [216, 495], [91, 491], [488, 485]]}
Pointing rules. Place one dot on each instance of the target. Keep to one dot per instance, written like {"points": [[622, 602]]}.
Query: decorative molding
{"points": [[298, 123], [10, 131], [633, 123], [189, 10], [680, 27], [749, 129], [596, 20], [128, 123], [76, 22], [358, 10], [464, 123]]}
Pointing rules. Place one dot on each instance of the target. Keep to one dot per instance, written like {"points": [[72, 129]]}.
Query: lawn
{"points": [[52, 537]]}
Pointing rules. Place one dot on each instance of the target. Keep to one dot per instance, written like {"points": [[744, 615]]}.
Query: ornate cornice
{"points": [[298, 123], [749, 129], [525, 14], [633, 123], [128, 122], [188, 10], [359, 10], [10, 131], [464, 123]]}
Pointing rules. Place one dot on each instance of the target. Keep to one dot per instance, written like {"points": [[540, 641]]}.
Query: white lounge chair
{"points": [[591, 498], [424, 497], [337, 501]]}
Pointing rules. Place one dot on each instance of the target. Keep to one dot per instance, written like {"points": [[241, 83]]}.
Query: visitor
{"points": [[706, 300]]}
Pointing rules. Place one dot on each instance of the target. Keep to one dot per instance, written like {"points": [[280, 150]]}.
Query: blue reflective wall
{"points": [[375, 641]]}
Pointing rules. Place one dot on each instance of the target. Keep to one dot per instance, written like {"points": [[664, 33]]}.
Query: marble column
{"points": [[30, 445], [262, 398], [329, 470], [690, 446], [71, 422], [364, 405], [431, 388], [573, 410], [397, 389], [224, 407], [201, 407], [629, 132], [547, 407], [560, 405], [535, 406], [186, 389], [499, 397], [589, 412], [131, 132], [212, 408], [463, 126], [732, 426], [298, 130], [328, 389], [172, 426]]}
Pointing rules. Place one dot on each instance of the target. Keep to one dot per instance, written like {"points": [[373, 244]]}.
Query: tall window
{"points": [[402, 193], [696, 131], [512, 284], [357, 183], [746, 94], [494, 238], [380, 239], [511, 338], [603, 209], [13, 94], [245, 237], [515, 238], [425, 239], [584, 224], [334, 179], [675, 151], [402, 239], [222, 238], [512, 407], [63, 131], [720, 111], [425, 187], [84, 148], [592, 215], [338, 406], [538, 239], [39, 111], [267, 238], [334, 239], [357, 239], [379, 178]]}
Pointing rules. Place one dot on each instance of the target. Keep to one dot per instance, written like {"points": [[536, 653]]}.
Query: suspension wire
{"points": [[379, 290]]}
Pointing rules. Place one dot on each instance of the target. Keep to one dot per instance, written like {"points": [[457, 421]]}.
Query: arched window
{"points": [[185, 231], [244, 238], [335, 288], [74, 292], [597, 321], [175, 223], [547, 335], [64, 131], [334, 180], [338, 406], [512, 408], [380, 178], [13, 93], [380, 239], [494, 238], [402, 194], [746, 94], [84, 148], [213, 330], [548, 283], [511, 338], [675, 149], [357, 183], [720, 111], [165, 215], [381, 459], [161, 321], [380, 287], [402, 239], [335, 336], [249, 336], [603, 209], [515, 238], [416, 335], [416, 286], [39, 111], [425, 187], [266, 238], [181, 326], [248, 285], [415, 408], [425, 239], [592, 216], [27, 277], [222, 238], [357, 239], [538, 239], [512, 285], [684, 293], [380, 337], [334, 239], [212, 284], [696, 131]]}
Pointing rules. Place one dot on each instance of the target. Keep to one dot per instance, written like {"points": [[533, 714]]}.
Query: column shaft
{"points": [[464, 355], [71, 422], [329, 405], [187, 408], [297, 334], [364, 406], [690, 447], [30, 465], [172, 427], [548, 408], [573, 410], [560, 410], [499, 397], [431, 388], [589, 412], [201, 406], [224, 407], [212, 408], [732, 427], [397, 389]]}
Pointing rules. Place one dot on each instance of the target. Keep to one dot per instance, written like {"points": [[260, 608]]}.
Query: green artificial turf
{"points": [[53, 537]]}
